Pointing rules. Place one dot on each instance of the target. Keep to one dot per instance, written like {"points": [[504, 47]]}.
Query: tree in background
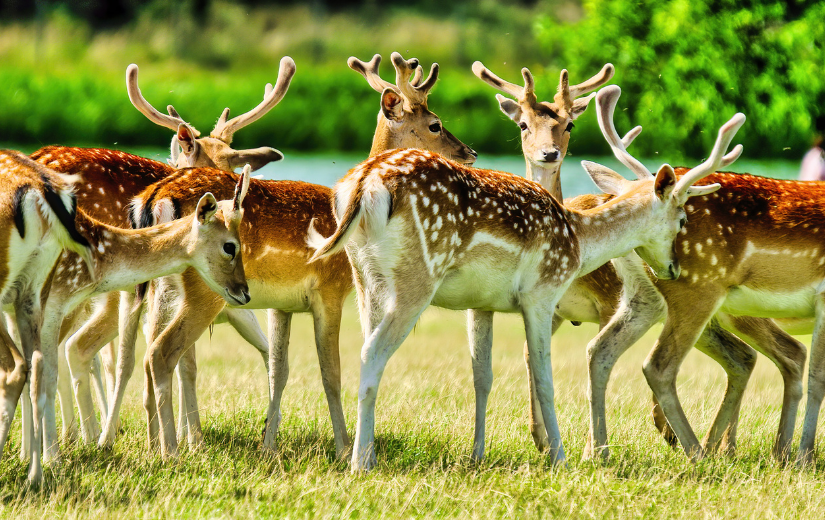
{"points": [[687, 65]]}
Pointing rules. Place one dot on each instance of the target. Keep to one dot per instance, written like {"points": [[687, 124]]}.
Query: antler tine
{"points": [[370, 72], [143, 106], [593, 83], [416, 79], [404, 70], [485, 75], [606, 100], [717, 156], [225, 129], [425, 87]]}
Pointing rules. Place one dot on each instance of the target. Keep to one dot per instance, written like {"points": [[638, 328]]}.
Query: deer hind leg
{"points": [[108, 369], [686, 320], [388, 335], [25, 403], [738, 361], [12, 382], [129, 309], [81, 349], [327, 320], [816, 388], [480, 333], [245, 322], [632, 319], [788, 355], [535, 421], [279, 327]]}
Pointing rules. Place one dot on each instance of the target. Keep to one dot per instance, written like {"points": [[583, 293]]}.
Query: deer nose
{"points": [[674, 270], [550, 155]]}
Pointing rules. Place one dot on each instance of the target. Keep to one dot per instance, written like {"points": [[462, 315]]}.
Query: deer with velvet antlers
{"points": [[276, 221], [421, 230], [623, 309]]}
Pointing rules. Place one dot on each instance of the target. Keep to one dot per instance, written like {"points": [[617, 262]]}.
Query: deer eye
{"points": [[523, 126], [229, 249], [570, 126], [435, 128]]}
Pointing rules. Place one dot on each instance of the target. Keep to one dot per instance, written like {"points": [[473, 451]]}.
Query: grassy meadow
{"points": [[424, 437]]}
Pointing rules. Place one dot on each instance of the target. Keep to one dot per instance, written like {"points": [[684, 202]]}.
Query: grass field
{"points": [[424, 437]]}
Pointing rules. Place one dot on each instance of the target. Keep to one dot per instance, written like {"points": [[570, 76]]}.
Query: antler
{"points": [[272, 96], [522, 94], [567, 94], [716, 160], [241, 188], [606, 100], [408, 75], [172, 121], [370, 72]]}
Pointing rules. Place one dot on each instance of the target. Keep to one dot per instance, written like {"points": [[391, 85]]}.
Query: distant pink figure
{"points": [[813, 164]]}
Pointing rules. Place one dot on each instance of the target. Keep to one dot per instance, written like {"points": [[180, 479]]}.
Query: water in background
{"points": [[326, 169]]}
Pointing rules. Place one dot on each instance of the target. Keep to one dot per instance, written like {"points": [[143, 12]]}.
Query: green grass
{"points": [[424, 436]]}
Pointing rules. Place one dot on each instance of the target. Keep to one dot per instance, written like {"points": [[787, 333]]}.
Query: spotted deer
{"points": [[624, 311], [421, 230], [37, 206], [278, 216], [207, 241], [109, 180]]}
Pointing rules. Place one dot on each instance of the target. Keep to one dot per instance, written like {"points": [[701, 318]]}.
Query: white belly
{"points": [[743, 301]]}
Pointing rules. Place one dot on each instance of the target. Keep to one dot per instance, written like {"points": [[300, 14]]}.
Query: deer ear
{"points": [[186, 139], [510, 108], [392, 105], [606, 179], [255, 157], [665, 182], [207, 207]]}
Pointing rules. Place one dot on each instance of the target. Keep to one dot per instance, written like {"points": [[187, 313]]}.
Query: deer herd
{"points": [[93, 239]]}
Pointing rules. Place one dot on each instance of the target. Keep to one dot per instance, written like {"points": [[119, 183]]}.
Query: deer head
{"points": [[669, 194], [404, 120], [545, 126], [191, 150], [215, 243]]}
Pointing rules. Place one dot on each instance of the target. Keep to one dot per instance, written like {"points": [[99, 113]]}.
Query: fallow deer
{"points": [[280, 212], [207, 241], [420, 229], [110, 179], [601, 297], [37, 222]]}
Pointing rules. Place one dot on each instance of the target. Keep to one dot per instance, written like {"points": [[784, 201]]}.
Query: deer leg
{"points": [[69, 431], [108, 364], [377, 350], [738, 360], [279, 326], [535, 421], [816, 388], [189, 411], [81, 349], [129, 309], [327, 320], [99, 387], [685, 322], [632, 319], [12, 382], [539, 332], [245, 322], [480, 333], [788, 355], [25, 403]]}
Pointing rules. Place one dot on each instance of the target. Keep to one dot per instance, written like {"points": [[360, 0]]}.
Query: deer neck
{"points": [[548, 177], [383, 139], [609, 231], [124, 258]]}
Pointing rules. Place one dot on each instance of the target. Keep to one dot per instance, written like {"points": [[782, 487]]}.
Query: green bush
{"points": [[686, 66]]}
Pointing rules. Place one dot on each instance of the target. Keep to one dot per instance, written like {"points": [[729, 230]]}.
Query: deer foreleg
{"points": [[279, 327], [816, 388], [480, 333], [327, 320]]}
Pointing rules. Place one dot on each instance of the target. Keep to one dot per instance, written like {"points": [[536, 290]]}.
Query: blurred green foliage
{"points": [[686, 66]]}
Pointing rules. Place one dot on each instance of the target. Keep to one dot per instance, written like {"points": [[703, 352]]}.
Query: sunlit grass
{"points": [[424, 436]]}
